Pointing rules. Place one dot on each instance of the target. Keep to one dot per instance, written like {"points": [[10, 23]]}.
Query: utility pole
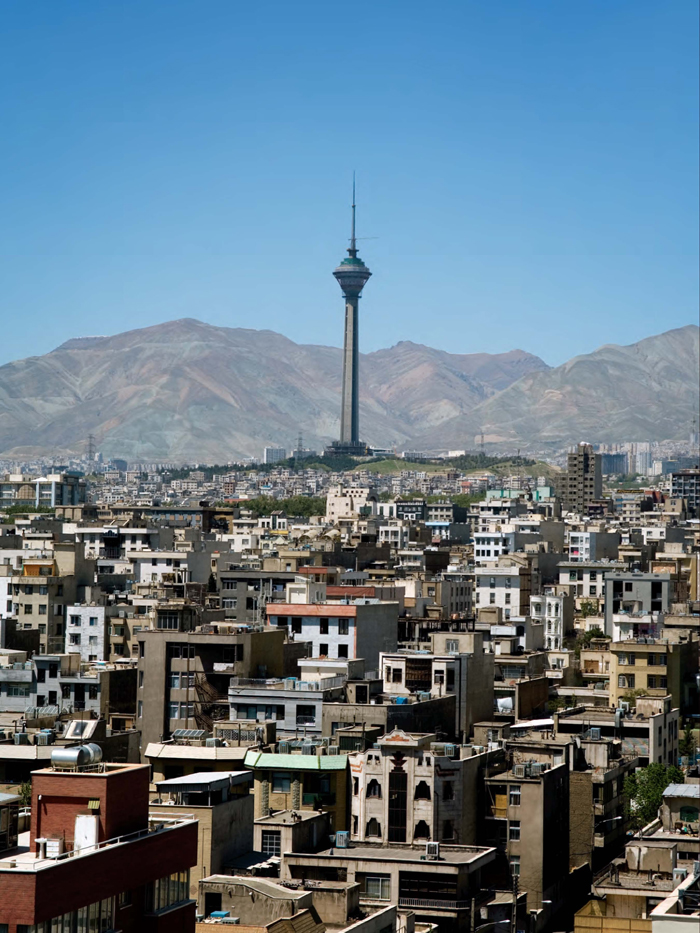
{"points": [[514, 913]]}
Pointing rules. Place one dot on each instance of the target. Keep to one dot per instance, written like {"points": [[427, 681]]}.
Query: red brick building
{"points": [[92, 861]]}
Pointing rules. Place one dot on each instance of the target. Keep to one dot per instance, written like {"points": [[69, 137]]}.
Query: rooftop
{"points": [[205, 780], [449, 855]]}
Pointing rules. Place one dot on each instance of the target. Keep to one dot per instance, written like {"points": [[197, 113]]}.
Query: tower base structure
{"points": [[339, 449]]}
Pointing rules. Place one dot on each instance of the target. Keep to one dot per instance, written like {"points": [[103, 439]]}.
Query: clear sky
{"points": [[528, 168]]}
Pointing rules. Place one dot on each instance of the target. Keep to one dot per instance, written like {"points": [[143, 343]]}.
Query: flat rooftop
{"points": [[449, 855]]}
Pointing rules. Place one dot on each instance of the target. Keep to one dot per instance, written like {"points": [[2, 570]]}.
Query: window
{"points": [[323, 626], [342, 651], [422, 791], [124, 899], [651, 682], [514, 795], [355, 786], [378, 886], [92, 691], [75, 638], [492, 599], [492, 582], [18, 690], [28, 609], [451, 646], [43, 609], [514, 830], [396, 675], [422, 830], [173, 889], [168, 620], [342, 626], [515, 865], [281, 782], [448, 791], [296, 625], [92, 639], [230, 603], [374, 788], [625, 680], [65, 691], [271, 842], [93, 620], [28, 589], [592, 590], [140, 709], [174, 710], [323, 651], [373, 827], [507, 599], [448, 829]]}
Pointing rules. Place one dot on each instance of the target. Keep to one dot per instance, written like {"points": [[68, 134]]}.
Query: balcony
{"points": [[421, 903]]}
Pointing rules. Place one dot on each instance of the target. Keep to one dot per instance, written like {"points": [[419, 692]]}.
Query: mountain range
{"points": [[187, 391]]}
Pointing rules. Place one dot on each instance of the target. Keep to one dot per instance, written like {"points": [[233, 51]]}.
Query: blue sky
{"points": [[529, 169]]}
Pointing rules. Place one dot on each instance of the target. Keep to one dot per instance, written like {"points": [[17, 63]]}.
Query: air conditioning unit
{"points": [[432, 850], [215, 742], [520, 771], [283, 747], [595, 734], [679, 874], [333, 749], [624, 705], [44, 738], [476, 749], [449, 751], [21, 738], [342, 839], [230, 920]]}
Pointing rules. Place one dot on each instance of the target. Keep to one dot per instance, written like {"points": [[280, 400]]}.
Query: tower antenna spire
{"points": [[353, 241]]}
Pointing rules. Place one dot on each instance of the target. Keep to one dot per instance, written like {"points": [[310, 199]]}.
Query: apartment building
{"points": [[93, 859], [582, 483], [508, 588], [410, 788], [556, 614], [527, 820], [183, 676], [658, 667], [635, 594], [361, 629], [306, 781], [469, 676]]}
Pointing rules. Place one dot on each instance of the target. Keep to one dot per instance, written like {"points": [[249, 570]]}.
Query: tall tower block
{"points": [[352, 275]]}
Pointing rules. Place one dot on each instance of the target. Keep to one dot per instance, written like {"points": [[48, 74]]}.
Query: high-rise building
{"points": [[274, 454], [352, 275], [583, 481], [685, 484]]}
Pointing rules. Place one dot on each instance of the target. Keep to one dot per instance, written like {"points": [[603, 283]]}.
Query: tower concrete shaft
{"points": [[352, 275], [350, 409]]}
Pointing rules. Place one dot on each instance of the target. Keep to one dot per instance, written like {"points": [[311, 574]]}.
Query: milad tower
{"points": [[352, 275]]}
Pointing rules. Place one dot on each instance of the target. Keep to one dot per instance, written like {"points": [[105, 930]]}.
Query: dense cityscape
{"points": [[357, 690], [302, 639]]}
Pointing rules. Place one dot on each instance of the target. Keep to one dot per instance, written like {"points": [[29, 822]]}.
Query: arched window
{"points": [[373, 828], [422, 791], [421, 831], [374, 788]]}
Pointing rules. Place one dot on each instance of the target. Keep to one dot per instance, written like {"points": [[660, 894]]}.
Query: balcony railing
{"points": [[430, 904]]}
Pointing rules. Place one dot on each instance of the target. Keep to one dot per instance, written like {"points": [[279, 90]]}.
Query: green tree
{"points": [[583, 641], [687, 745], [25, 793], [295, 506], [589, 608], [644, 791]]}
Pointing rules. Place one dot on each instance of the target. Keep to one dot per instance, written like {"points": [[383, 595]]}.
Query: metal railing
{"points": [[162, 825], [433, 904]]}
